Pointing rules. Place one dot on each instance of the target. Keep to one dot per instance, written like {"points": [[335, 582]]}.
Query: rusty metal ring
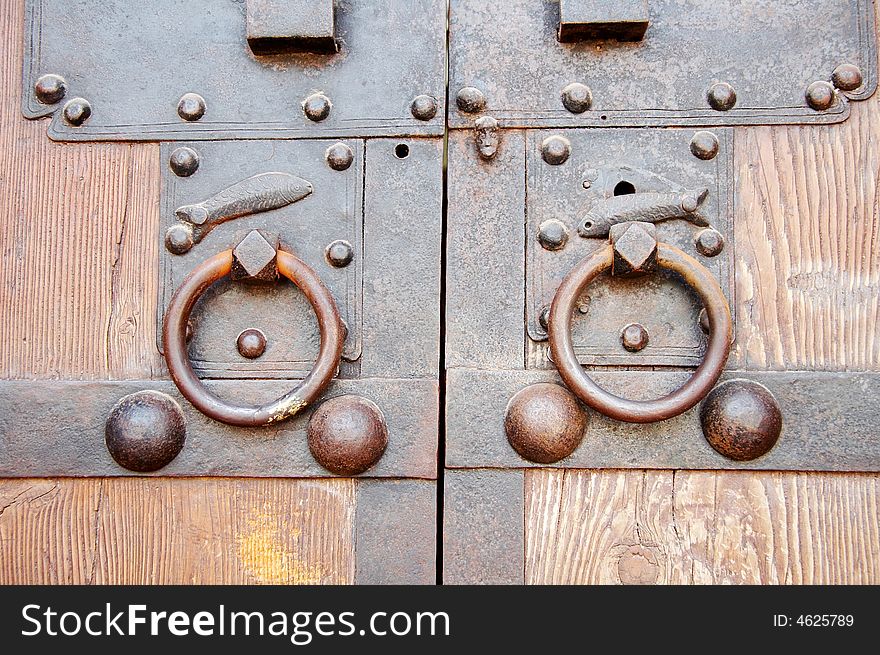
{"points": [[637, 411], [174, 342]]}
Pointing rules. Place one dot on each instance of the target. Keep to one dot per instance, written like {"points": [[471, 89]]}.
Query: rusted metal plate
{"points": [[396, 532], [56, 428], [483, 527], [129, 66], [768, 51], [829, 423]]}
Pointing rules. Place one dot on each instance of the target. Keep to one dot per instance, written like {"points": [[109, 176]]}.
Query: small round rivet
{"points": [[704, 145], [847, 77], [50, 89], [821, 95], [709, 242], [470, 100], [703, 320], [634, 337], [544, 317], [77, 111], [184, 161], [251, 343], [424, 107], [556, 150], [553, 235], [179, 239], [577, 98], [339, 156], [545, 423], [721, 96], [347, 435], [191, 107], [145, 431], [741, 419], [340, 253], [317, 107]]}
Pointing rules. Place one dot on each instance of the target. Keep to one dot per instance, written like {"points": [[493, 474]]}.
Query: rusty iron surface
{"points": [[741, 420], [347, 435], [129, 65], [56, 428], [145, 431], [545, 423], [829, 423], [690, 68]]}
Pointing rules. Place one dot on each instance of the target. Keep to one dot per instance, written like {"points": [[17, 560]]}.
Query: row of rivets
{"points": [[553, 235], [184, 161], [556, 149]]}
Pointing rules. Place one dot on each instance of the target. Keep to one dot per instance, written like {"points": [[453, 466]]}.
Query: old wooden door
{"points": [[729, 150]]}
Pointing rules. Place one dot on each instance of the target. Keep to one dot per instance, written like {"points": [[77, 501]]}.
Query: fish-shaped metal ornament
{"points": [[256, 194], [648, 207]]}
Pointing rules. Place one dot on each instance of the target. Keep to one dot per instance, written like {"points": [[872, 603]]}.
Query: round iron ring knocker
{"points": [[326, 365], [638, 411]]}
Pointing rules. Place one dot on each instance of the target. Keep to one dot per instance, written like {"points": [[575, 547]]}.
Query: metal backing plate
{"points": [[647, 161], [769, 51], [134, 61]]}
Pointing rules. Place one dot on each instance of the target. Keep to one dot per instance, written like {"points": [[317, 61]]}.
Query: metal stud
{"points": [[552, 235], [470, 100], [556, 150], [577, 98], [317, 107], [709, 242], [77, 111], [544, 423], [50, 89], [179, 239], [741, 419], [821, 95], [704, 145], [424, 107], [251, 343], [145, 431], [847, 77], [347, 435], [544, 317], [340, 253], [634, 337], [184, 161], [721, 96], [191, 107], [339, 156]]}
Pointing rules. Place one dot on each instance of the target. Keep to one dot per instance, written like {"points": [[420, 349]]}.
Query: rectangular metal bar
{"points": [[483, 527], [56, 428], [625, 20], [396, 532], [829, 423], [277, 26]]}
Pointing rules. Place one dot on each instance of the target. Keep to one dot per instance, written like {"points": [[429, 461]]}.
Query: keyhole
{"points": [[624, 188]]}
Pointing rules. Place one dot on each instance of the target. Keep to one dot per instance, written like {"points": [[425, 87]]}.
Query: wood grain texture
{"points": [[78, 244], [195, 531], [654, 527]]}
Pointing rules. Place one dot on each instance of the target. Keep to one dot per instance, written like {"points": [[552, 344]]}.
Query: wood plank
{"points": [[653, 527], [78, 244], [146, 531]]}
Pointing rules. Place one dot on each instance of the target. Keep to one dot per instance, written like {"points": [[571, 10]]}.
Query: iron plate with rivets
{"points": [[757, 56], [142, 68]]}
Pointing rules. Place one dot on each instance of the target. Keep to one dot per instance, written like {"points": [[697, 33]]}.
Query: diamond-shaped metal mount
{"points": [[635, 248], [253, 259]]}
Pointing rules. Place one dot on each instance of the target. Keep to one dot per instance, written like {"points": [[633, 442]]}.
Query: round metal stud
{"points": [[741, 419], [821, 95], [77, 111], [339, 156], [347, 435], [184, 161], [317, 107], [556, 150], [191, 107], [634, 337], [553, 235], [470, 100], [50, 89], [251, 343], [179, 239], [577, 98], [704, 145], [847, 77], [145, 431], [340, 253], [709, 242], [545, 423], [424, 107], [544, 317], [721, 96]]}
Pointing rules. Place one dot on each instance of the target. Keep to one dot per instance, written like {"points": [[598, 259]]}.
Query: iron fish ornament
{"points": [[648, 207]]}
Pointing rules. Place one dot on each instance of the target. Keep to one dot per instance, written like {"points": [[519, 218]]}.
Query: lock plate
{"points": [[770, 52], [133, 62]]}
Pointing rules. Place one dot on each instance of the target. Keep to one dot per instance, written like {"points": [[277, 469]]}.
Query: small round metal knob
{"points": [[634, 337], [339, 156], [721, 96], [552, 234], [191, 107], [470, 100], [821, 95], [347, 435], [340, 253], [556, 150], [545, 423], [704, 145], [317, 107], [741, 419], [424, 107], [77, 111], [847, 77], [145, 431], [184, 161], [179, 239], [251, 343], [709, 242], [50, 89], [577, 98]]}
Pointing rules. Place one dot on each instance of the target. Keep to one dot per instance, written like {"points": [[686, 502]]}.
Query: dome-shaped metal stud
{"points": [[545, 423], [741, 419], [145, 431], [347, 435]]}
